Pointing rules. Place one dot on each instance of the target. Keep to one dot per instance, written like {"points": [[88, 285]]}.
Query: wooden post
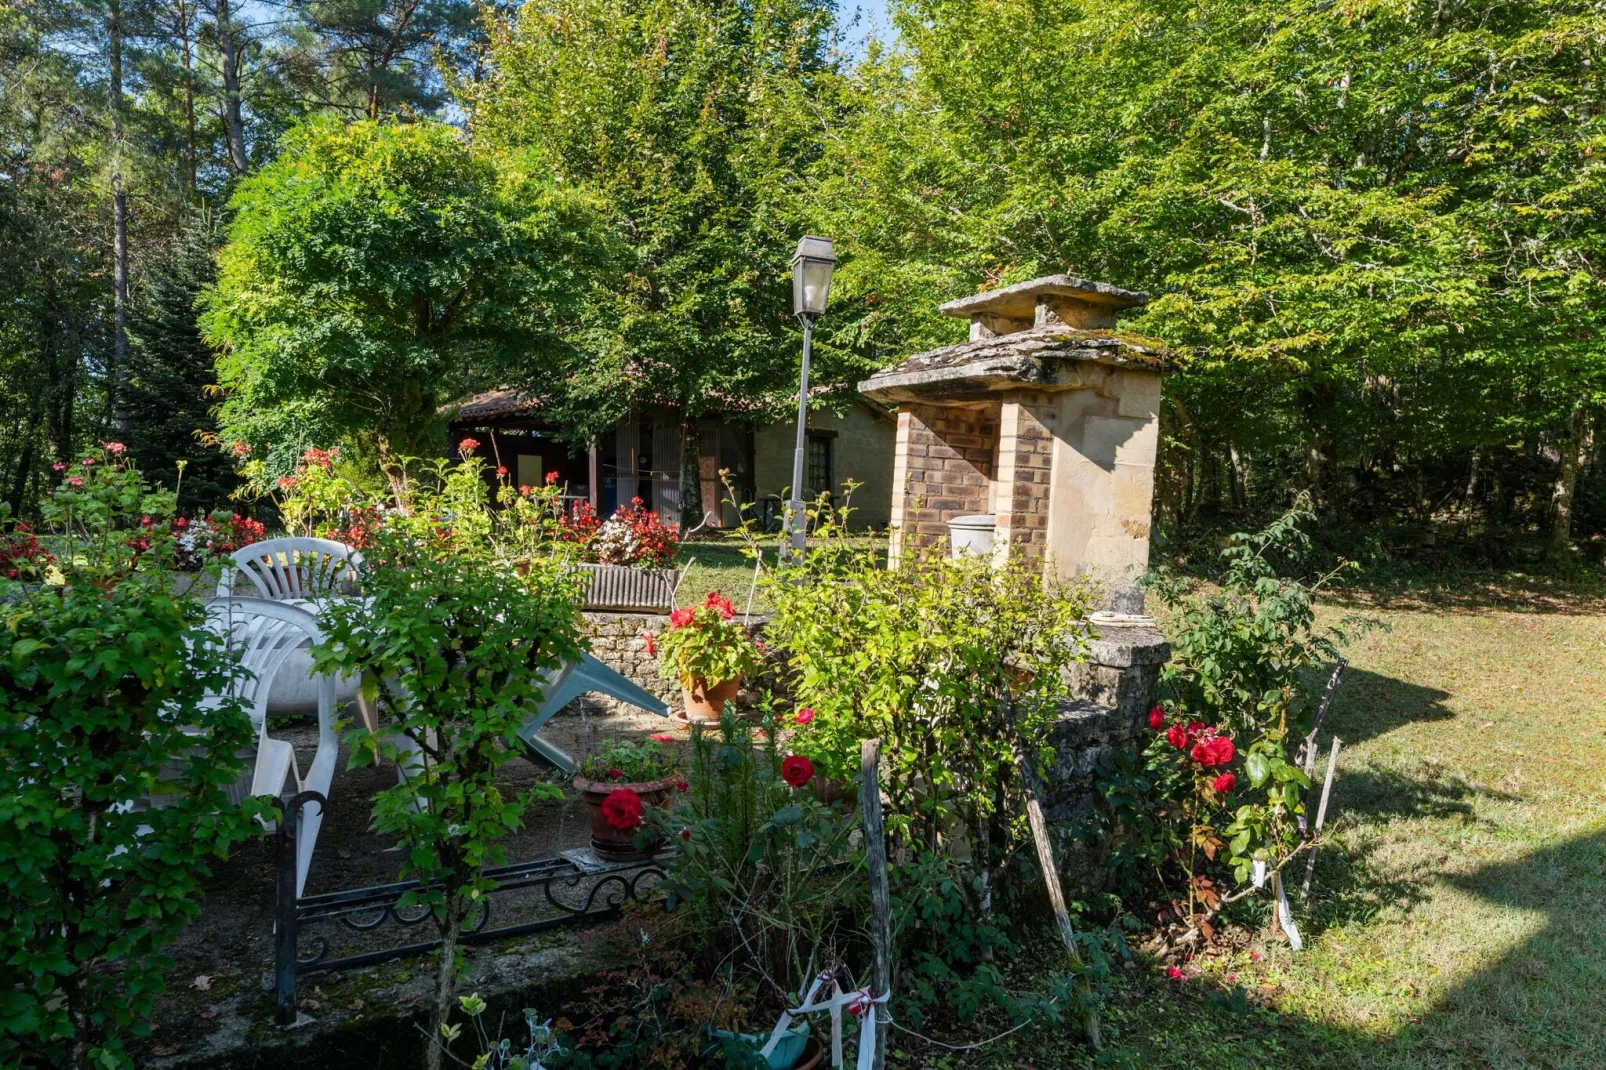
{"points": [[1321, 814], [1051, 880], [875, 854], [594, 476]]}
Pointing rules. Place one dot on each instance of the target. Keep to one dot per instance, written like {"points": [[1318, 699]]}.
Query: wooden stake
{"points": [[1051, 879], [875, 853], [1321, 814]]}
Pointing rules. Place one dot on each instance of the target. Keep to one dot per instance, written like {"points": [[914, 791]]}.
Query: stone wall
{"points": [[942, 468], [1111, 695], [618, 641]]}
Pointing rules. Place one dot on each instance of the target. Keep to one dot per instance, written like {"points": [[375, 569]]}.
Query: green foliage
{"points": [[376, 270], [1241, 648], [115, 766], [695, 125], [636, 761], [451, 643], [921, 656], [1343, 215], [171, 378], [762, 867], [1242, 654]]}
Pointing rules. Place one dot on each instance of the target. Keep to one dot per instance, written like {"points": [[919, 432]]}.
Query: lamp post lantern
{"points": [[812, 266]]}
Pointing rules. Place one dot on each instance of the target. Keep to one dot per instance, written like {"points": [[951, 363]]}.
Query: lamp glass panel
{"points": [[816, 284]]}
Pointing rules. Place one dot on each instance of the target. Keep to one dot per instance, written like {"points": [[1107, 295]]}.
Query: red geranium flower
{"points": [[1157, 718], [75, 482], [88, 462], [1177, 736], [652, 645], [116, 449], [1223, 783], [719, 602], [681, 617], [622, 810], [663, 737], [468, 445], [524, 490], [59, 466], [805, 715], [551, 478], [501, 469], [797, 770]]}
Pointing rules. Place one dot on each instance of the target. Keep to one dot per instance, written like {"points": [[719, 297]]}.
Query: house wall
{"points": [[861, 452]]}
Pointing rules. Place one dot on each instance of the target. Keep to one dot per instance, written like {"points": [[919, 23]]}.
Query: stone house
{"points": [[642, 456]]}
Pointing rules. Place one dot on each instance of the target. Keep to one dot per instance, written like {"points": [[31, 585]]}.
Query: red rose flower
{"points": [[1195, 728], [681, 785], [797, 770], [805, 715], [1177, 736], [685, 834], [615, 774], [1223, 783], [1157, 718], [468, 445], [663, 737], [622, 810], [1175, 973], [1213, 750]]}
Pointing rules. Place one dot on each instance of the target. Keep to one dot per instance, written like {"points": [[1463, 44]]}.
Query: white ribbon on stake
{"points": [[857, 1003], [1286, 916]]}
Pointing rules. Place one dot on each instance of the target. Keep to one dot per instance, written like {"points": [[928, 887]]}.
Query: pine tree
{"points": [[171, 375]]}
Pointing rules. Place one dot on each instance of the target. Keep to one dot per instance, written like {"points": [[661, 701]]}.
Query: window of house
{"points": [[818, 466]]}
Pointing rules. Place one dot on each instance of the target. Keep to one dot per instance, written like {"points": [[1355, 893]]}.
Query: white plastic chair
{"points": [[264, 633], [291, 569]]}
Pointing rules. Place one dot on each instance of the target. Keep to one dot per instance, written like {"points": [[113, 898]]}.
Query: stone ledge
{"points": [[1122, 646]]}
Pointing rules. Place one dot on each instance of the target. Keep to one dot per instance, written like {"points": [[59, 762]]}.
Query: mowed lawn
{"points": [[1459, 918]]}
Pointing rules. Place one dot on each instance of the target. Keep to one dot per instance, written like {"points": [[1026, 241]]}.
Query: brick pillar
{"points": [[1025, 462], [942, 468]]}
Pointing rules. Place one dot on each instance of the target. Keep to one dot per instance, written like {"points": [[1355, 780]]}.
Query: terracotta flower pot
{"points": [[703, 703], [620, 844]]}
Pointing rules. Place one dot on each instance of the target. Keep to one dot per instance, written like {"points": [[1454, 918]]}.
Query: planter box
{"points": [[621, 587]]}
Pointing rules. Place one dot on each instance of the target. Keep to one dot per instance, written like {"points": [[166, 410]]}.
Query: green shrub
{"points": [[451, 641], [104, 677]]}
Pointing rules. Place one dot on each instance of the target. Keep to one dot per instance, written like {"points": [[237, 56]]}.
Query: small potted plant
{"points": [[618, 783], [708, 653]]}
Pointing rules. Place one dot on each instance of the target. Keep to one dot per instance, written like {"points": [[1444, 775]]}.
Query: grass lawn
{"points": [[1458, 921]]}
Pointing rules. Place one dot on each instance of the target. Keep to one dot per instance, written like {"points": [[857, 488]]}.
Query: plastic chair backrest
{"points": [[264, 633], [290, 568]]}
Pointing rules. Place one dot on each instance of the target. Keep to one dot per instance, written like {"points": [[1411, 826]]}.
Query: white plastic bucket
{"points": [[972, 534]]}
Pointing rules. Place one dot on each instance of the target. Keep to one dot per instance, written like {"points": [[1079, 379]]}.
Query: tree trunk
{"points": [[189, 91], [19, 485], [1471, 494], [691, 481], [1574, 448], [233, 125], [445, 987], [1240, 482], [118, 372]]}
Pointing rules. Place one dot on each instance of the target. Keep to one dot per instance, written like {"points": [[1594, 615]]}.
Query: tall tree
{"points": [[376, 270], [695, 122]]}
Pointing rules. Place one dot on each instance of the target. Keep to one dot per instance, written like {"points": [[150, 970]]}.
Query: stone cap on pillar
{"points": [[1041, 335], [1052, 299]]}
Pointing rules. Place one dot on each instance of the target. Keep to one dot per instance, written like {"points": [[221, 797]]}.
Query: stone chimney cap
{"points": [[1020, 300]]}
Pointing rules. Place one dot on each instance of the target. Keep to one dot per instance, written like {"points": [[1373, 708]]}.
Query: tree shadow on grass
{"points": [[1369, 704]]}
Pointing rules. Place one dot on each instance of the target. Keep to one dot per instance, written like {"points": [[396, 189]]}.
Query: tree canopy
{"points": [[376, 270]]}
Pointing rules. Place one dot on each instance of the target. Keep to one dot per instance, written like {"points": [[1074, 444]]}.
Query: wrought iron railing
{"points": [[563, 893]]}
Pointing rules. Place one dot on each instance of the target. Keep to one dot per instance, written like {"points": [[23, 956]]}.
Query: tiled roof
{"points": [[494, 405]]}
